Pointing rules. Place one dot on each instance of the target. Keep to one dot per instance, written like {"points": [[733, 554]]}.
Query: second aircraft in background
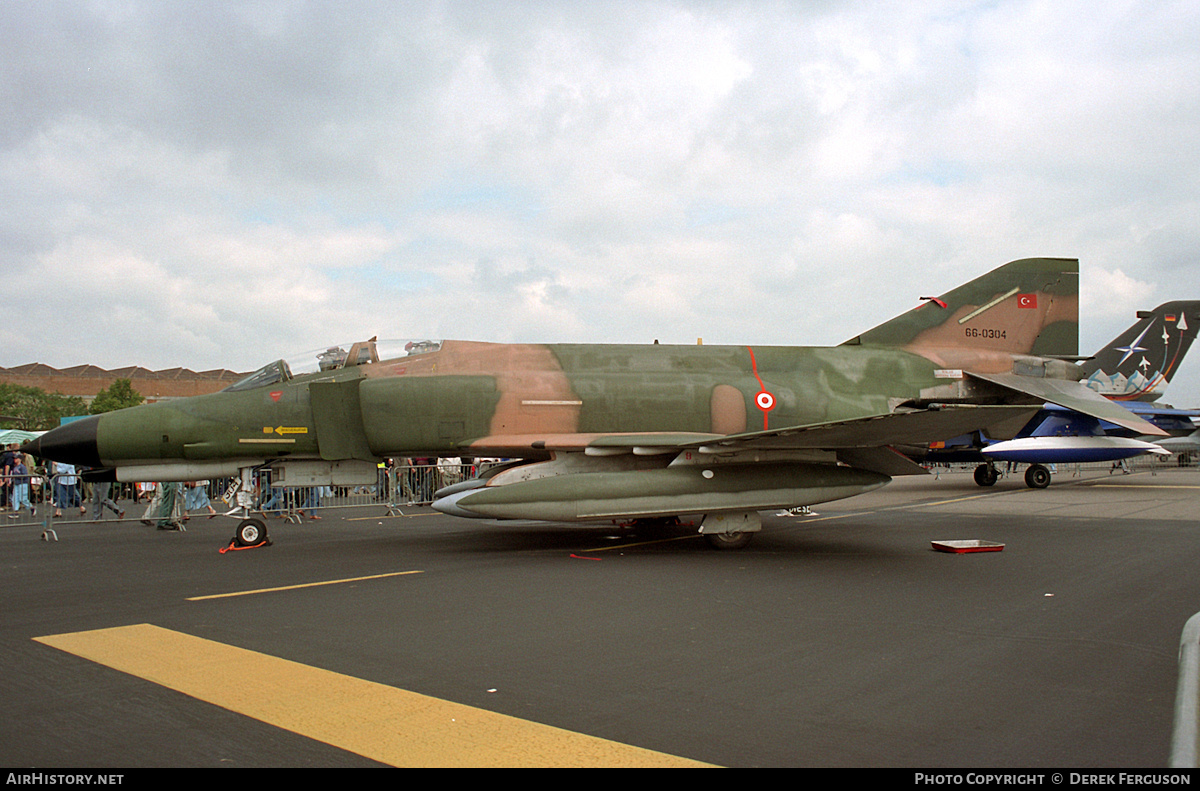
{"points": [[1133, 370]]}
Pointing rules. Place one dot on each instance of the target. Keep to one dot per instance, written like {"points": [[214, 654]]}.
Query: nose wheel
{"points": [[250, 532]]}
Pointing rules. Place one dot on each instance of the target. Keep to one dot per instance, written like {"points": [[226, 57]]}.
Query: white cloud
{"points": [[266, 177], [1105, 294]]}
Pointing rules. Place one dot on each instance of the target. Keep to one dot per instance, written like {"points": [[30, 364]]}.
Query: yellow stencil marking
{"points": [[285, 430], [379, 722]]}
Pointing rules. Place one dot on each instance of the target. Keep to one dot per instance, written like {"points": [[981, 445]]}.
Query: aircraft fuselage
{"points": [[481, 399]]}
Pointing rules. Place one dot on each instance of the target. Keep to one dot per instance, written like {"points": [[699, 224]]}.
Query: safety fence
{"points": [[39, 499]]}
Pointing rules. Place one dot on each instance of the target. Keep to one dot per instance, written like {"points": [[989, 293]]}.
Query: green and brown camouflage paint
{"points": [[529, 400]]}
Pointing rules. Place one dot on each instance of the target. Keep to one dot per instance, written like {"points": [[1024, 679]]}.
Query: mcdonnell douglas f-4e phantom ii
{"points": [[630, 432]]}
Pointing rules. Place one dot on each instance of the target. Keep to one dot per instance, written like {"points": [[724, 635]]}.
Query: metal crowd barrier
{"points": [[63, 499]]}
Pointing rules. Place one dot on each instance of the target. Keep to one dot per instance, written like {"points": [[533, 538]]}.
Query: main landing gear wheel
{"points": [[1037, 477], [250, 532], [986, 475], [728, 540]]}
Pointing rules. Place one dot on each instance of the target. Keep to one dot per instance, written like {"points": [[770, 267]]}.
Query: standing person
{"points": [[20, 479], [403, 471], [197, 497], [166, 507], [381, 473], [101, 500], [313, 501], [66, 488], [6, 463], [425, 470], [144, 489]]}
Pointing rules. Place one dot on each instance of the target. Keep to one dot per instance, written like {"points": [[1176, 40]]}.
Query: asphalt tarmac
{"points": [[836, 639]]}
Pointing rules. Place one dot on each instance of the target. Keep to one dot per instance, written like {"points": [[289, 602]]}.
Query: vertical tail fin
{"points": [[1030, 306], [1138, 363]]}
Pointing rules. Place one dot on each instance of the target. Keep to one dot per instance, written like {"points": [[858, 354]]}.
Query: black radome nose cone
{"points": [[70, 443]]}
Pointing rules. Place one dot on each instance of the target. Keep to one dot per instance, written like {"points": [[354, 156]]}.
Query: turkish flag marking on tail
{"points": [[1026, 300]]}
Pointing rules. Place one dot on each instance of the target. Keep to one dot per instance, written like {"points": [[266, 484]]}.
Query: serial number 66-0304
{"points": [[973, 332]]}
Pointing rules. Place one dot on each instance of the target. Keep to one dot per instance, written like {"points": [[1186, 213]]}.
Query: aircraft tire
{"points": [[728, 540], [250, 532], [1037, 477], [986, 475]]}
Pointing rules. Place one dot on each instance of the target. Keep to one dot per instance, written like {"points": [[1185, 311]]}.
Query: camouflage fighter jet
{"points": [[630, 432]]}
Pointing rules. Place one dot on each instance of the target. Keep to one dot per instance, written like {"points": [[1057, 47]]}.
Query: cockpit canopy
{"points": [[333, 358]]}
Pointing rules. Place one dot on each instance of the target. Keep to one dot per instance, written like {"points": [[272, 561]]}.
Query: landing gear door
{"points": [[338, 418]]}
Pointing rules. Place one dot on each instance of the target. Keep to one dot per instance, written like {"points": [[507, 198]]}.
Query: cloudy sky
{"points": [[216, 184]]}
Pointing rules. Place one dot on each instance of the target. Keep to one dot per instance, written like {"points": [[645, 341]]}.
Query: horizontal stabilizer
{"points": [[1076, 396]]}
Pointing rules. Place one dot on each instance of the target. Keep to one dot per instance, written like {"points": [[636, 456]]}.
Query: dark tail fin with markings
{"points": [[1138, 363]]}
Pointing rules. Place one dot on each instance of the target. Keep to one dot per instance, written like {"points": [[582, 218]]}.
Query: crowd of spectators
{"points": [[26, 486]]}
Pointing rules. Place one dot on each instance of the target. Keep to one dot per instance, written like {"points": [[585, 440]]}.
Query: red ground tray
{"points": [[967, 545]]}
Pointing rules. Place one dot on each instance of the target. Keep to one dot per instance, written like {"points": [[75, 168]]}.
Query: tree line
{"points": [[33, 409]]}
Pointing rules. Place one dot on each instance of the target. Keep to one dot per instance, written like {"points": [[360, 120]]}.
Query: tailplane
{"points": [[1138, 363], [1030, 306]]}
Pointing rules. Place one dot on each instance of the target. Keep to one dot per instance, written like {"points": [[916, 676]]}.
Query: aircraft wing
{"points": [[903, 427], [1073, 395], [895, 428], [864, 442], [859, 442]]}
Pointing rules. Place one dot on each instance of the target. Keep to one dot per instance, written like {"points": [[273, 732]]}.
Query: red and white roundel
{"points": [[765, 401]]}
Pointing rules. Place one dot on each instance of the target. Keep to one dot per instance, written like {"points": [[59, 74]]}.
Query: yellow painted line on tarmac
{"points": [[1144, 485], [386, 724], [955, 500], [386, 516], [300, 585]]}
